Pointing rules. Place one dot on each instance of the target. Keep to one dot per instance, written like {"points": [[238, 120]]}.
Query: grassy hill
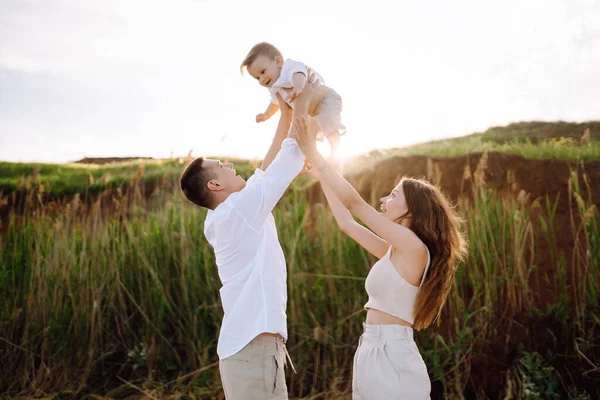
{"points": [[68, 179], [534, 140], [539, 131]]}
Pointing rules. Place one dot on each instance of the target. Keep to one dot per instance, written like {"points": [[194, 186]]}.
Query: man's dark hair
{"points": [[193, 183]]}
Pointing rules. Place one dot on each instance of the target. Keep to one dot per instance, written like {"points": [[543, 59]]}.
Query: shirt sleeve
{"points": [[274, 98], [264, 189]]}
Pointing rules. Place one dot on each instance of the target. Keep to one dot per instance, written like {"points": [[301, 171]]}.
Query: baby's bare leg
{"points": [[334, 142]]}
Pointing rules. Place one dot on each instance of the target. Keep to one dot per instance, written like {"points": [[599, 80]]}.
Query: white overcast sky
{"points": [[151, 78]]}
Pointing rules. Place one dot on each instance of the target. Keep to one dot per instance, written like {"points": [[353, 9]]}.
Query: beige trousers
{"points": [[257, 371], [388, 365]]}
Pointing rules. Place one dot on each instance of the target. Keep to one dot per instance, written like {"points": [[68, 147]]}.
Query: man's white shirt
{"points": [[249, 258]]}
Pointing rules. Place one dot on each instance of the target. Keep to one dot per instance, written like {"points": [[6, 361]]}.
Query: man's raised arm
{"points": [[285, 121], [255, 202]]}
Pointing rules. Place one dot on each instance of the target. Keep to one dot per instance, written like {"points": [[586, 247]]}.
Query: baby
{"points": [[287, 77]]}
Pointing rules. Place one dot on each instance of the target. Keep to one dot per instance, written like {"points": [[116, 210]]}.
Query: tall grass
{"points": [[120, 296]]}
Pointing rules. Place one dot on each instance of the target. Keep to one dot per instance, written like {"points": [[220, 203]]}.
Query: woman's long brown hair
{"points": [[438, 225]]}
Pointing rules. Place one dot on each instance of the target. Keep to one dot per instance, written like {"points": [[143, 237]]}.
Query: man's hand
{"points": [[307, 142], [307, 93], [295, 93], [261, 117], [305, 168], [298, 81], [301, 105], [312, 170]]}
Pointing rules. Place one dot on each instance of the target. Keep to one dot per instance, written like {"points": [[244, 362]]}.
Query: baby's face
{"points": [[266, 70]]}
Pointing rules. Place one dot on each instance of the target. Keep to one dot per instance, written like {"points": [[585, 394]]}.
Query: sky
{"points": [[160, 78]]}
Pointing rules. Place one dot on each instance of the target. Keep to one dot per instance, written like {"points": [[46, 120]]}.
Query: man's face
{"points": [[266, 70], [225, 176]]}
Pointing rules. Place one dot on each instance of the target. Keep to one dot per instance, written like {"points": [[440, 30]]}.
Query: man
{"points": [[251, 265]]}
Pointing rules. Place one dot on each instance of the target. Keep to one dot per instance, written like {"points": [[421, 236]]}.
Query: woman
{"points": [[419, 243]]}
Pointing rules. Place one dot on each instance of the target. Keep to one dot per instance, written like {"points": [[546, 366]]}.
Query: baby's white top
{"points": [[288, 69]]}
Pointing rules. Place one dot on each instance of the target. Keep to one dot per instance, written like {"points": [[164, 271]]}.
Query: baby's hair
{"points": [[260, 49]]}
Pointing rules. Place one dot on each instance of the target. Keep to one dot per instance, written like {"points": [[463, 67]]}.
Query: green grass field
{"points": [[117, 296]]}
